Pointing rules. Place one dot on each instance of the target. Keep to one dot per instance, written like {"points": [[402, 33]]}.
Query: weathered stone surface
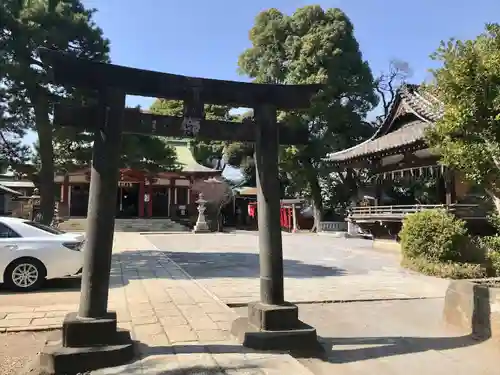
{"points": [[56, 359], [301, 338], [474, 308], [273, 317]]}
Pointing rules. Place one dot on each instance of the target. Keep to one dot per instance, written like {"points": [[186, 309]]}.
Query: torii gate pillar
{"points": [[272, 323]]}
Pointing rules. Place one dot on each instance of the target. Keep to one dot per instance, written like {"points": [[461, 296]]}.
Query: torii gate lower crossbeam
{"points": [[90, 339]]}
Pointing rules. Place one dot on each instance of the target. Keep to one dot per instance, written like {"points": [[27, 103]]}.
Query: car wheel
{"points": [[25, 274]]}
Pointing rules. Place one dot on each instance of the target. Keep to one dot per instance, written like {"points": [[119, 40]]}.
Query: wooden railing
{"points": [[466, 211]]}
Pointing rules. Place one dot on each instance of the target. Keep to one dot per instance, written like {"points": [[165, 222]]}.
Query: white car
{"points": [[31, 252]]}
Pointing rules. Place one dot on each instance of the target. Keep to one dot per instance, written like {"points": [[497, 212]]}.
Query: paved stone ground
{"points": [[185, 331], [17, 349], [317, 268], [182, 329], [394, 337]]}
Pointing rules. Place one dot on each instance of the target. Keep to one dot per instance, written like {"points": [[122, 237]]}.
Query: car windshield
{"points": [[45, 228]]}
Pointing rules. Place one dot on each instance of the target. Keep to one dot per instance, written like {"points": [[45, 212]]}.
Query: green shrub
{"points": [[447, 270], [491, 248], [435, 235]]}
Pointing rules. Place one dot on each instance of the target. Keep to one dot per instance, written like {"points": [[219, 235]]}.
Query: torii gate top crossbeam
{"points": [[69, 70]]}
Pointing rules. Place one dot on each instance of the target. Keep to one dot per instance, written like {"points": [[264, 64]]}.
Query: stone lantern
{"points": [[201, 225]]}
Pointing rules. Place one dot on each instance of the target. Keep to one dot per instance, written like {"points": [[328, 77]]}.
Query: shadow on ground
{"points": [[144, 264], [383, 347], [218, 264], [65, 284], [158, 357], [366, 348]]}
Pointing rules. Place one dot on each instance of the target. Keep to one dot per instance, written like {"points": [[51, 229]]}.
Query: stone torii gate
{"points": [[90, 338]]}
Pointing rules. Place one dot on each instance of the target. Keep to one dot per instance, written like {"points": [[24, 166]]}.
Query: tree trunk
{"points": [[317, 201], [44, 130]]}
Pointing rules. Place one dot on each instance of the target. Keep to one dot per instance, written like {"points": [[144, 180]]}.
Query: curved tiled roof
{"points": [[186, 159], [426, 110]]}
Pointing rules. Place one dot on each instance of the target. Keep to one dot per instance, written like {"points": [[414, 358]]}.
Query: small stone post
{"points": [[294, 219]]}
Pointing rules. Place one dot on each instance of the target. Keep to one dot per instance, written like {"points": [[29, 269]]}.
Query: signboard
{"points": [[124, 184]]}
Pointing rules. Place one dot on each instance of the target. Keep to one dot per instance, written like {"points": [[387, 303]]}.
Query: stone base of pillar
{"points": [[201, 227], [84, 345], [275, 327]]}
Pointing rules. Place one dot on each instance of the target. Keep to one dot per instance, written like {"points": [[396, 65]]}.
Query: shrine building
{"points": [[140, 195], [398, 154]]}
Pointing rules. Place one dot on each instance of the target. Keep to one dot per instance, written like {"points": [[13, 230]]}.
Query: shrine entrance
{"points": [[90, 337], [127, 202]]}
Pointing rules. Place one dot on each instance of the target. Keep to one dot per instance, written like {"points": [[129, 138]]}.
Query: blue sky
{"points": [[205, 37]]}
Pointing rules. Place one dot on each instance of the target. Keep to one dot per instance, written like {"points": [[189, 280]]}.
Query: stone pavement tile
{"points": [[168, 312], [201, 297], [159, 299], [182, 333], [56, 314], [16, 309], [213, 308], [48, 308], [201, 322], [191, 311], [25, 315], [48, 321], [147, 330], [225, 325], [170, 321], [212, 335], [183, 300], [221, 317], [141, 312], [7, 323], [142, 320]]}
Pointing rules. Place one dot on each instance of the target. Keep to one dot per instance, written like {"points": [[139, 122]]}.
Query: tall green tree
{"points": [[73, 151], [206, 152], [26, 25], [314, 46], [468, 88]]}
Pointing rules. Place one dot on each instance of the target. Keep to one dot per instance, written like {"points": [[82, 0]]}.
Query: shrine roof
{"points": [[186, 159], [412, 112], [5, 189], [246, 190]]}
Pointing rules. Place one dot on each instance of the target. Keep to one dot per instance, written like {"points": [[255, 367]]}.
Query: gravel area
{"points": [[18, 349]]}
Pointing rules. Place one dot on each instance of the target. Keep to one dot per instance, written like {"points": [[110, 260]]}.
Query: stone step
{"points": [[129, 225]]}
